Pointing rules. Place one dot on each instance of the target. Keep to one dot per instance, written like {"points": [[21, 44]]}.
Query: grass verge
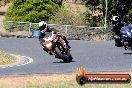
{"points": [[73, 84], [6, 58], [51, 81]]}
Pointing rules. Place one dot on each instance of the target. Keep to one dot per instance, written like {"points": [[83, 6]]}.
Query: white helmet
{"points": [[115, 18], [42, 25]]}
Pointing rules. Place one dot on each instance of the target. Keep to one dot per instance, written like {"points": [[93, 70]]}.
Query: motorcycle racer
{"points": [[117, 25], [47, 32]]}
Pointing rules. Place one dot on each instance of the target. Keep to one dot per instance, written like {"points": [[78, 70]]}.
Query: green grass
{"points": [[6, 58], [73, 84]]}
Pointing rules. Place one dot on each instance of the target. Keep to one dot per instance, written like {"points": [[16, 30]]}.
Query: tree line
{"points": [[123, 8], [37, 10]]}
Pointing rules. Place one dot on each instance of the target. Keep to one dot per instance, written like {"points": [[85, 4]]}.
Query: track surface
{"points": [[92, 55]]}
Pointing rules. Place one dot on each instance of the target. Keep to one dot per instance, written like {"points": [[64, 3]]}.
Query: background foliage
{"points": [[4, 2], [68, 16], [32, 10], [54, 11], [121, 7]]}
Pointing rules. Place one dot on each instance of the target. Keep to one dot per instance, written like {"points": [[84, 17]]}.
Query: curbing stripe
{"points": [[30, 60]]}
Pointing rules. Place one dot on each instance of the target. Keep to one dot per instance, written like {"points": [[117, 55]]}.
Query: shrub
{"points": [[32, 10]]}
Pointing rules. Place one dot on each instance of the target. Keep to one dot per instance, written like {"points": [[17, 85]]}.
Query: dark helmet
{"points": [[42, 25]]}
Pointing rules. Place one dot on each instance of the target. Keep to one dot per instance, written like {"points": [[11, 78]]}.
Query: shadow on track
{"points": [[63, 62], [127, 53]]}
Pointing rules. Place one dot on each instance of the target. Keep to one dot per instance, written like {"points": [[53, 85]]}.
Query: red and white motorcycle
{"points": [[57, 46]]}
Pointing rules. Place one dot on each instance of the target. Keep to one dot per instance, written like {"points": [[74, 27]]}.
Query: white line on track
{"points": [[20, 61]]}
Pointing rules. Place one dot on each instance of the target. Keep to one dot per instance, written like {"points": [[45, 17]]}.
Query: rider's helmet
{"points": [[115, 20], [42, 25]]}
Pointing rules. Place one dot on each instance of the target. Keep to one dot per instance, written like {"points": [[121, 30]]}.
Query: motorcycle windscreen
{"points": [[126, 32], [48, 34]]}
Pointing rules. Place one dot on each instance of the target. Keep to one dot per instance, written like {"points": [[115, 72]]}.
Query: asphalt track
{"points": [[92, 55]]}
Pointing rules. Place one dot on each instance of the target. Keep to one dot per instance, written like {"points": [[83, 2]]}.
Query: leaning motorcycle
{"points": [[57, 46], [126, 37]]}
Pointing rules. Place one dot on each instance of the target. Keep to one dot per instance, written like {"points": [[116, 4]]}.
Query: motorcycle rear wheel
{"points": [[70, 58], [64, 57]]}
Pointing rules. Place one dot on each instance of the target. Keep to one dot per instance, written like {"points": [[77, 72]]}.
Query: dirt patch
{"points": [[17, 33], [3, 10], [22, 81], [75, 7]]}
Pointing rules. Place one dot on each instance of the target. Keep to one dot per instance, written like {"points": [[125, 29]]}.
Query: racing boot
{"points": [[68, 46], [67, 43], [56, 56]]}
